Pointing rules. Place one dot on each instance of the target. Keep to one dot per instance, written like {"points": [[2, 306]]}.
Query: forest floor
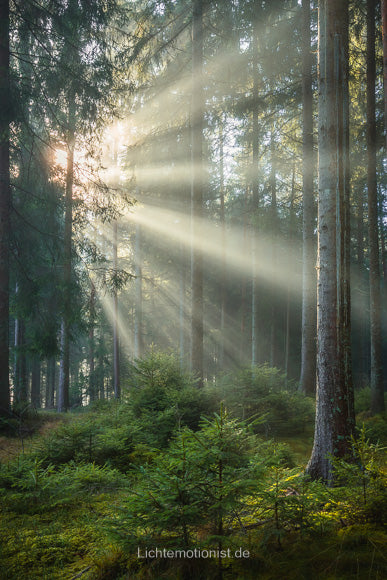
{"points": [[65, 512]]}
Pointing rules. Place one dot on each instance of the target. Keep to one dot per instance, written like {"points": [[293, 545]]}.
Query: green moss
{"points": [[55, 515]]}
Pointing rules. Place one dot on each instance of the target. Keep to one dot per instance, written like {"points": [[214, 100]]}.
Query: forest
{"points": [[193, 297]]}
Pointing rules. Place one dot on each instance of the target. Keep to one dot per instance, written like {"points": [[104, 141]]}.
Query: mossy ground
{"points": [[62, 535]]}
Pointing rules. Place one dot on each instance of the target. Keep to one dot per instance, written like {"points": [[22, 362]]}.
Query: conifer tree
{"points": [[334, 414], [5, 202]]}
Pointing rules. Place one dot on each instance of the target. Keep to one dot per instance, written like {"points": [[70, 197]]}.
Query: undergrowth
{"points": [[91, 496]]}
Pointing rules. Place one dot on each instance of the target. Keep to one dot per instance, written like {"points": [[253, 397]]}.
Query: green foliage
{"points": [[158, 370], [376, 427], [218, 486], [163, 398], [362, 400], [199, 482], [365, 475], [260, 392], [28, 486], [71, 441], [272, 453], [92, 439]]}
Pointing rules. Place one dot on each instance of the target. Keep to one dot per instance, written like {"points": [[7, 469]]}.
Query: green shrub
{"points": [[376, 427], [362, 400], [272, 453], [87, 478], [163, 398], [71, 441], [27, 486], [94, 438], [362, 495], [260, 392], [199, 482]]}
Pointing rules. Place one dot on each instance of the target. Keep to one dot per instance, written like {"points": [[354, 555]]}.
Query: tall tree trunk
{"points": [[243, 308], [255, 196], [64, 372], [309, 315], [222, 289], [182, 306], [254, 303], [92, 386], [377, 391], [116, 338], [274, 226], [334, 413], [138, 330], [197, 190], [20, 372], [342, 74], [361, 349], [35, 382], [291, 236], [5, 202], [384, 32], [50, 383]]}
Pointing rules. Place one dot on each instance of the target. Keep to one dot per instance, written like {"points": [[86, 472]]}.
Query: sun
{"points": [[61, 158]]}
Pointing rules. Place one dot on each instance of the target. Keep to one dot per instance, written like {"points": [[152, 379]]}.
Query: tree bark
{"points": [[50, 383], [377, 391], [20, 372], [256, 198], [116, 338], [197, 191], [384, 33], [309, 314], [64, 371], [334, 412], [35, 382], [274, 239], [5, 202], [92, 385], [138, 323], [222, 289]]}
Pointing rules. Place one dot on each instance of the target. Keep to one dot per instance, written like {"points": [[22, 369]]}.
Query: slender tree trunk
{"points": [[274, 226], [243, 316], [64, 372], [334, 413], [361, 354], [309, 314], [384, 32], [342, 98], [182, 306], [20, 378], [197, 190], [377, 394], [50, 383], [35, 382], [222, 290], [92, 386], [254, 303], [138, 330], [116, 338], [291, 236], [5, 202], [20, 374], [255, 196]]}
